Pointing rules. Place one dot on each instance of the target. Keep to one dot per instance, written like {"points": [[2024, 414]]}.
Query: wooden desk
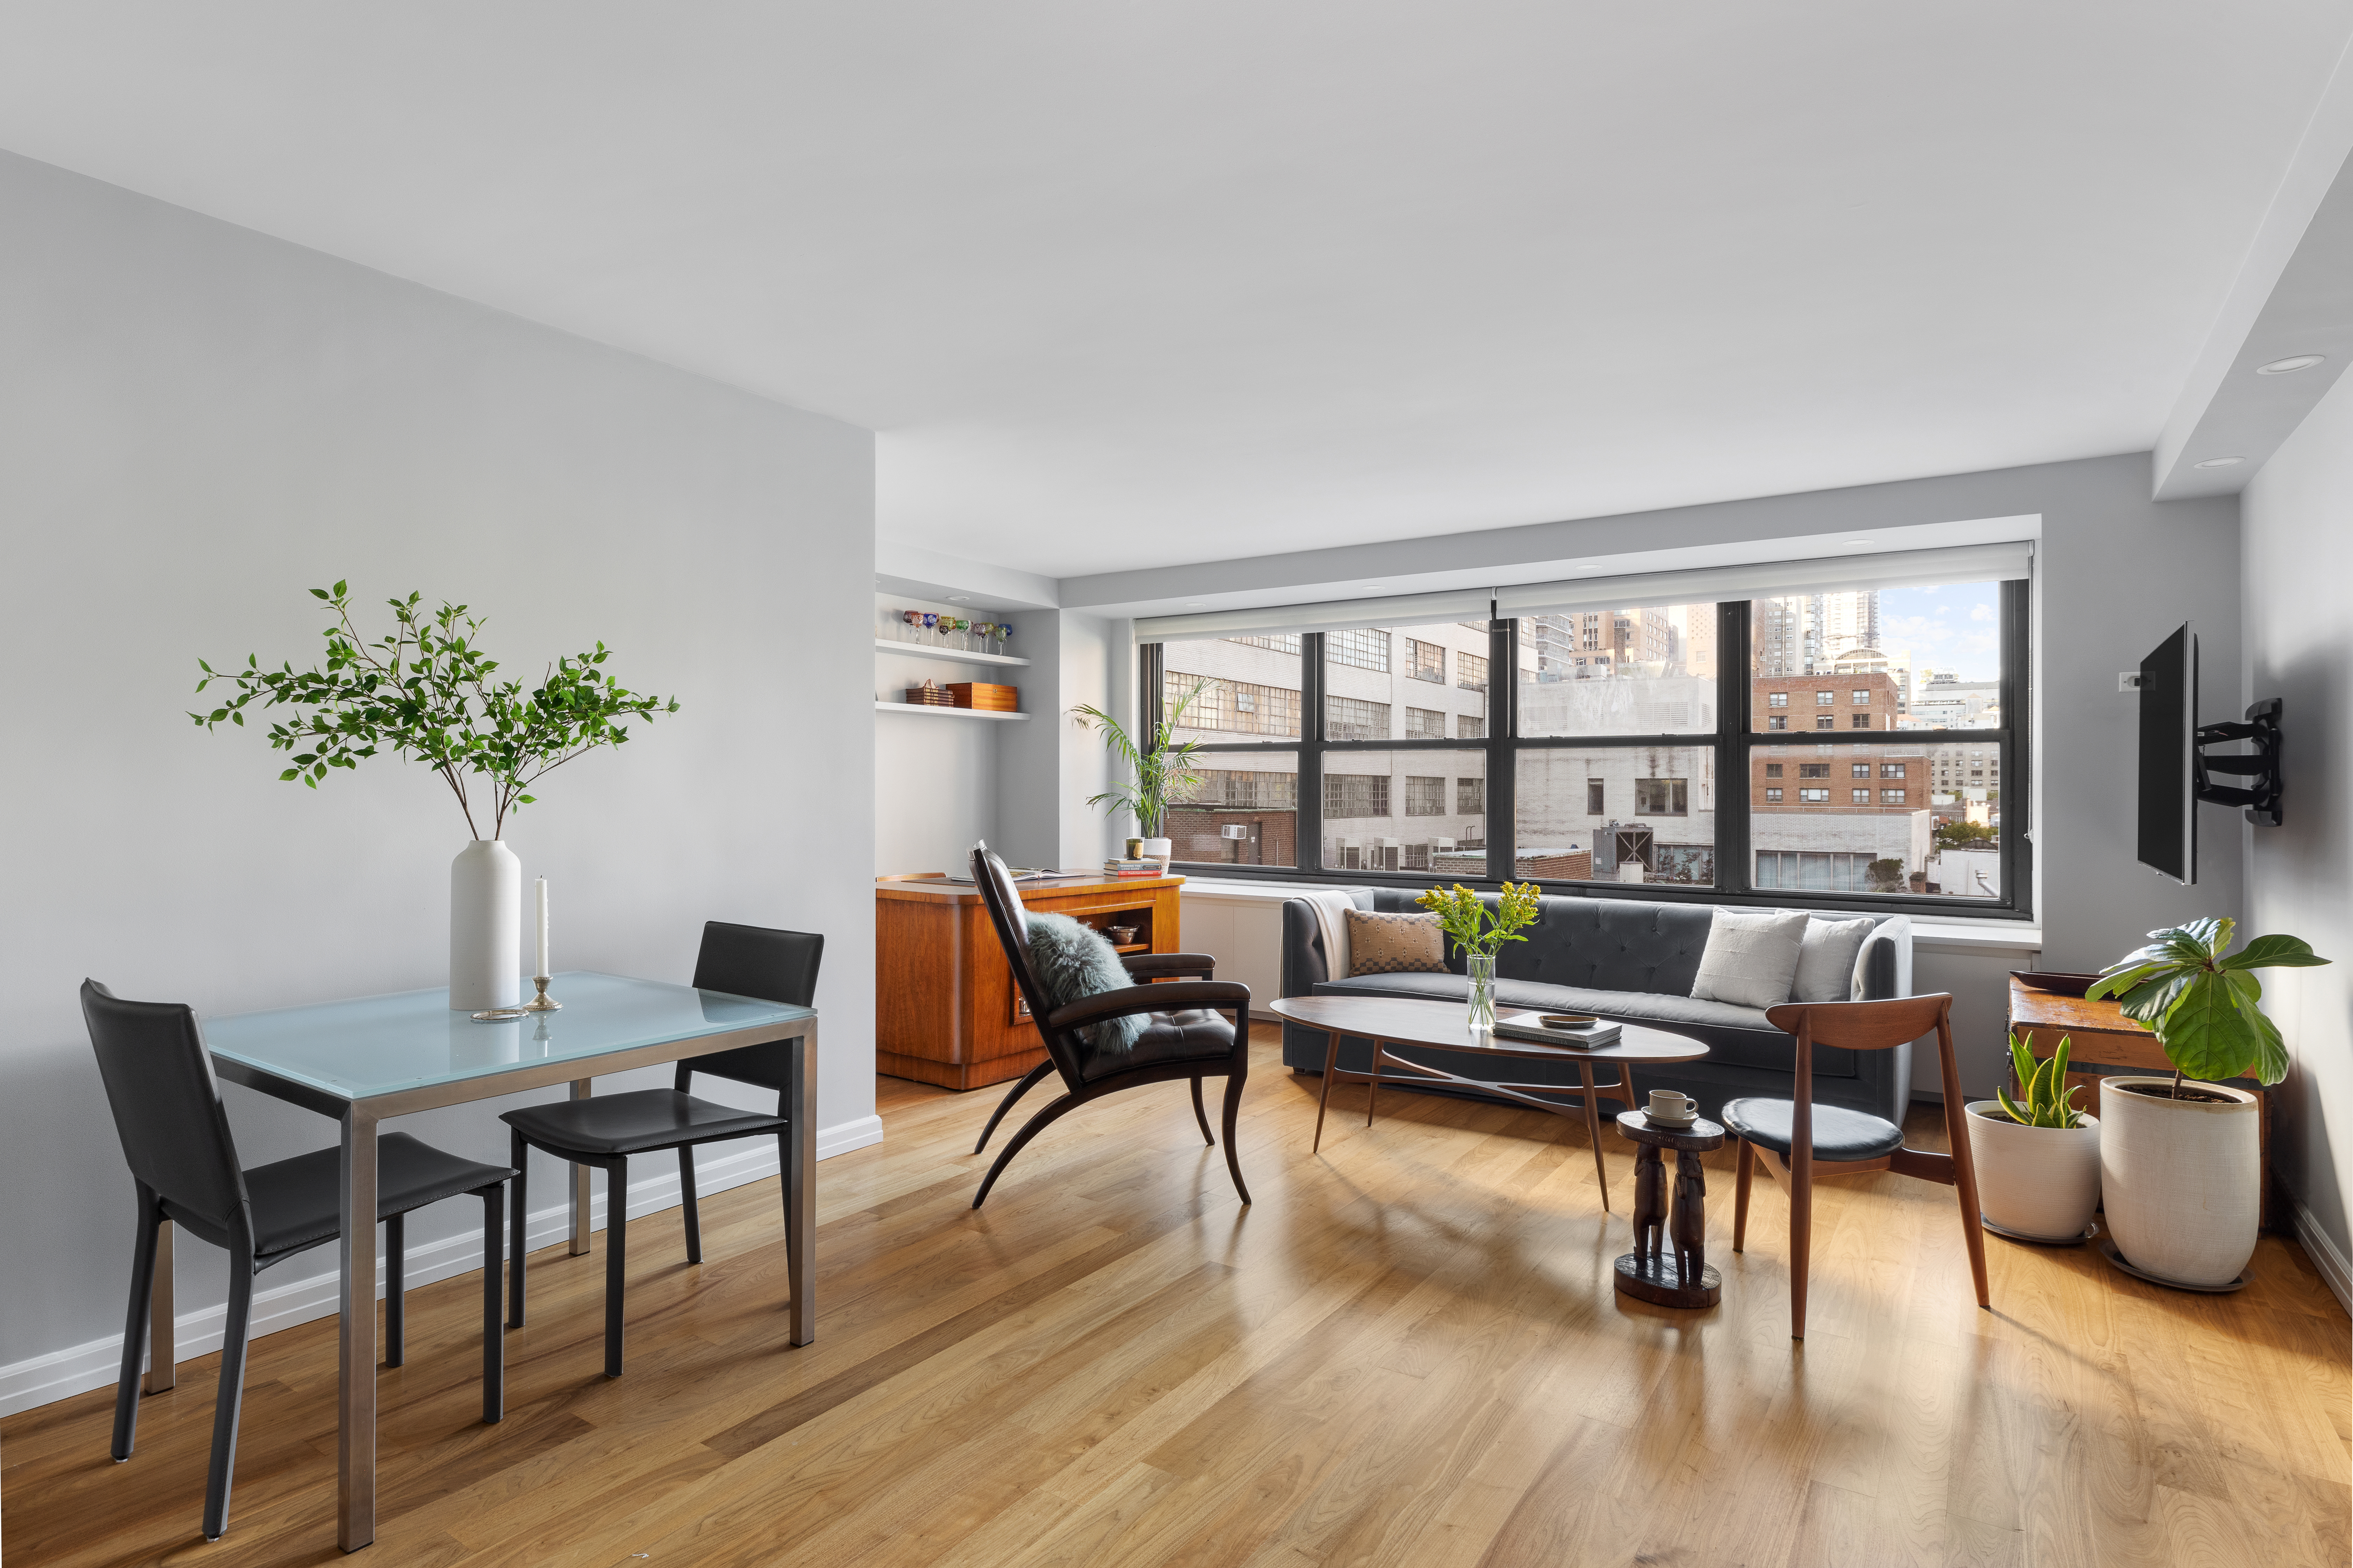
{"points": [[2106, 1043], [947, 1011]]}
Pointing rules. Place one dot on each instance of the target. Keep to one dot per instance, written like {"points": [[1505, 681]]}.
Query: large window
{"points": [[1872, 743]]}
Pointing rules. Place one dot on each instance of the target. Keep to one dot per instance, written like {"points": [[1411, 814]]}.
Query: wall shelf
{"points": [[952, 655], [883, 707]]}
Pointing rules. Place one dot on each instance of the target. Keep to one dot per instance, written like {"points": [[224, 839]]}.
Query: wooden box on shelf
{"points": [[982, 694], [947, 1011]]}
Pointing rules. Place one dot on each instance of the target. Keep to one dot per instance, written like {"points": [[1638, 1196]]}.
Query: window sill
{"points": [[1934, 931]]}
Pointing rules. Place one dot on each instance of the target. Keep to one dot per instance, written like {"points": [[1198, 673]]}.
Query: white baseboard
{"points": [[2330, 1263], [39, 1380]]}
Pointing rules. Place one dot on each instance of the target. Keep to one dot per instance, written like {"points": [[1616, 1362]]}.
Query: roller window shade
{"points": [[1712, 584], [1403, 610]]}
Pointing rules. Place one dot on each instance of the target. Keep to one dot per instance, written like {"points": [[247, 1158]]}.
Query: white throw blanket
{"points": [[1332, 922]]}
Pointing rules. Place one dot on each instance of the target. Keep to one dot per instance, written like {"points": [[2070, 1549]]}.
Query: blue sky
{"points": [[1956, 627]]}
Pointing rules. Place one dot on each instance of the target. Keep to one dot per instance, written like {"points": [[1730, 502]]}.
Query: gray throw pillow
{"points": [[1075, 961], [1751, 959], [1826, 961]]}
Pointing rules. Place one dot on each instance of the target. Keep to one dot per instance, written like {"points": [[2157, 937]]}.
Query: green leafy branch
{"points": [[1475, 926], [1159, 770], [428, 692], [2203, 1007]]}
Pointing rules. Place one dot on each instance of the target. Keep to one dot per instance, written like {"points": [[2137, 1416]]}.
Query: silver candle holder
{"points": [[542, 1002]]}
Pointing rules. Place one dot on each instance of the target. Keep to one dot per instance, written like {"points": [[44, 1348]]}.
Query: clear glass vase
{"points": [[1481, 969]]}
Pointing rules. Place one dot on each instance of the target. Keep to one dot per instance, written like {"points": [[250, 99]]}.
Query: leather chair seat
{"points": [[1192, 1035], [633, 1123], [1840, 1134], [297, 1203]]}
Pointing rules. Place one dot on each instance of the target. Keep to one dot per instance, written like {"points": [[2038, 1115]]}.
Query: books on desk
{"points": [[1590, 1036], [1123, 868]]}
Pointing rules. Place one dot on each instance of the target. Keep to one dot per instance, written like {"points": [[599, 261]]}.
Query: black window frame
{"points": [[1732, 740]]}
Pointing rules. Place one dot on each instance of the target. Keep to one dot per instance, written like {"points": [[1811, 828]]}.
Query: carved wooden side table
{"points": [[1668, 1266]]}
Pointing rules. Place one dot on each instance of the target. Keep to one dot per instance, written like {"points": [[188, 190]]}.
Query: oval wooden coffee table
{"points": [[1387, 1021]]}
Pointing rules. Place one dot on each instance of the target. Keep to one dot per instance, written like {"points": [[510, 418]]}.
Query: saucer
{"points": [[1657, 1120]]}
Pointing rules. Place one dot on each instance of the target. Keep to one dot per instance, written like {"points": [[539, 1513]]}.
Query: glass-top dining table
{"points": [[371, 1058]]}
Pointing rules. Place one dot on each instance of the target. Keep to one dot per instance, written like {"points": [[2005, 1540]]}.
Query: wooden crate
{"points": [[986, 697]]}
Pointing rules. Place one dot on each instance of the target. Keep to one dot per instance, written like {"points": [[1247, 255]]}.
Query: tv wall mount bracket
{"points": [[2262, 782]]}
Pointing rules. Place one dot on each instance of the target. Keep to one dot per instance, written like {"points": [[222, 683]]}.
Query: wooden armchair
{"points": [[1185, 1037]]}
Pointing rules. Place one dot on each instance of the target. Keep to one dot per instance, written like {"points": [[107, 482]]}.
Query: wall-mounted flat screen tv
{"points": [[2169, 756]]}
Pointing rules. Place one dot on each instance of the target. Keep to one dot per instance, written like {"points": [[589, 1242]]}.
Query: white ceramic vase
{"points": [[485, 928], [2182, 1180], [1158, 849], [2038, 1182]]}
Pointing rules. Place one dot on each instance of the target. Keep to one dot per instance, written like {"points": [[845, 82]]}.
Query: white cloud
{"points": [[1980, 612]]}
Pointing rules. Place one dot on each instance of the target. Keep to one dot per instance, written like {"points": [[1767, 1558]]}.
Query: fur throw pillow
{"points": [[1075, 961]]}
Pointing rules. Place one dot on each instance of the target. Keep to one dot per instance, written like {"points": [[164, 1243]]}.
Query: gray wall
{"points": [[1048, 768], [196, 424], [2300, 648]]}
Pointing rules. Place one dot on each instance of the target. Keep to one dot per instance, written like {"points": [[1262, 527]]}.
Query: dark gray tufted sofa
{"points": [[1626, 960]]}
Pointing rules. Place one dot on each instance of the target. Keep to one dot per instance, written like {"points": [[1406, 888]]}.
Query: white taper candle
{"points": [[542, 968]]}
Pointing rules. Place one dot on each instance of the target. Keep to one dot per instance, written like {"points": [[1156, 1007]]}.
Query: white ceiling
{"points": [[1127, 285]]}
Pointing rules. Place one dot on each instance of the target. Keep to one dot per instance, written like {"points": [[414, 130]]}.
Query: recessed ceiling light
{"points": [[1855, 542], [1198, 604], [959, 598], [2291, 365], [2221, 462]]}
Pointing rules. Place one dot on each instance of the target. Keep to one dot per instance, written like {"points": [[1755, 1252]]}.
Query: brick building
{"points": [[1821, 705]]}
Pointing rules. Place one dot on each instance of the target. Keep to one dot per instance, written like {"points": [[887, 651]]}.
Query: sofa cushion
{"points": [[1827, 962], [1394, 944], [1751, 959]]}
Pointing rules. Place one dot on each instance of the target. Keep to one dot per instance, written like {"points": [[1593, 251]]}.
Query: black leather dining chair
{"points": [[604, 1130], [167, 1111], [1183, 1037]]}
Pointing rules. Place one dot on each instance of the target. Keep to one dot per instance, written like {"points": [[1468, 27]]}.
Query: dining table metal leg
{"points": [[800, 1185], [163, 1337], [580, 1193], [356, 1378]]}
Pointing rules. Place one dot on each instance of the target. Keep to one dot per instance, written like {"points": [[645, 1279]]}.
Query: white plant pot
{"points": [[2037, 1182], [1158, 849], [2182, 1181], [485, 928]]}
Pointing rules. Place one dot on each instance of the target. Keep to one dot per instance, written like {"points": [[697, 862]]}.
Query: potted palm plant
{"points": [[428, 692], [2038, 1160], [2180, 1170], [1159, 770]]}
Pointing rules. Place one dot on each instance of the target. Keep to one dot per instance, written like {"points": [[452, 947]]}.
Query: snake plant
{"points": [[2049, 1101]]}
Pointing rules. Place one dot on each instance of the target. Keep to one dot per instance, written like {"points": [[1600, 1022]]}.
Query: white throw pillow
{"points": [[1751, 959], [1826, 962]]}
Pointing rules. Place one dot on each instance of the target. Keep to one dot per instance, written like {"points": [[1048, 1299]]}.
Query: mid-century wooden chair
{"points": [[604, 1130], [1186, 1038], [167, 1110], [1802, 1140]]}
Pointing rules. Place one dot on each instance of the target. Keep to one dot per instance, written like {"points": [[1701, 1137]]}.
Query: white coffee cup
{"points": [[1673, 1104]]}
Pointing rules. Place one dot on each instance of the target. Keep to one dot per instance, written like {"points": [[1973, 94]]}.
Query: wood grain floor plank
{"points": [[1408, 1351]]}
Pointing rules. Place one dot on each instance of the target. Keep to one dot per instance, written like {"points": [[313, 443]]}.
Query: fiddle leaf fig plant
{"points": [[2202, 1001], [427, 692]]}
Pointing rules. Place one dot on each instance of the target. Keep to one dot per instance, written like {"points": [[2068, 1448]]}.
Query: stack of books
{"points": [[1530, 1026], [1116, 867]]}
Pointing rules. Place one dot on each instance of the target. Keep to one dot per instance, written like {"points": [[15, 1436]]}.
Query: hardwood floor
{"points": [[1407, 1352]]}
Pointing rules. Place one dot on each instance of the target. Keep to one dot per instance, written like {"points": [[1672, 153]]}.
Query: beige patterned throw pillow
{"points": [[1394, 944]]}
